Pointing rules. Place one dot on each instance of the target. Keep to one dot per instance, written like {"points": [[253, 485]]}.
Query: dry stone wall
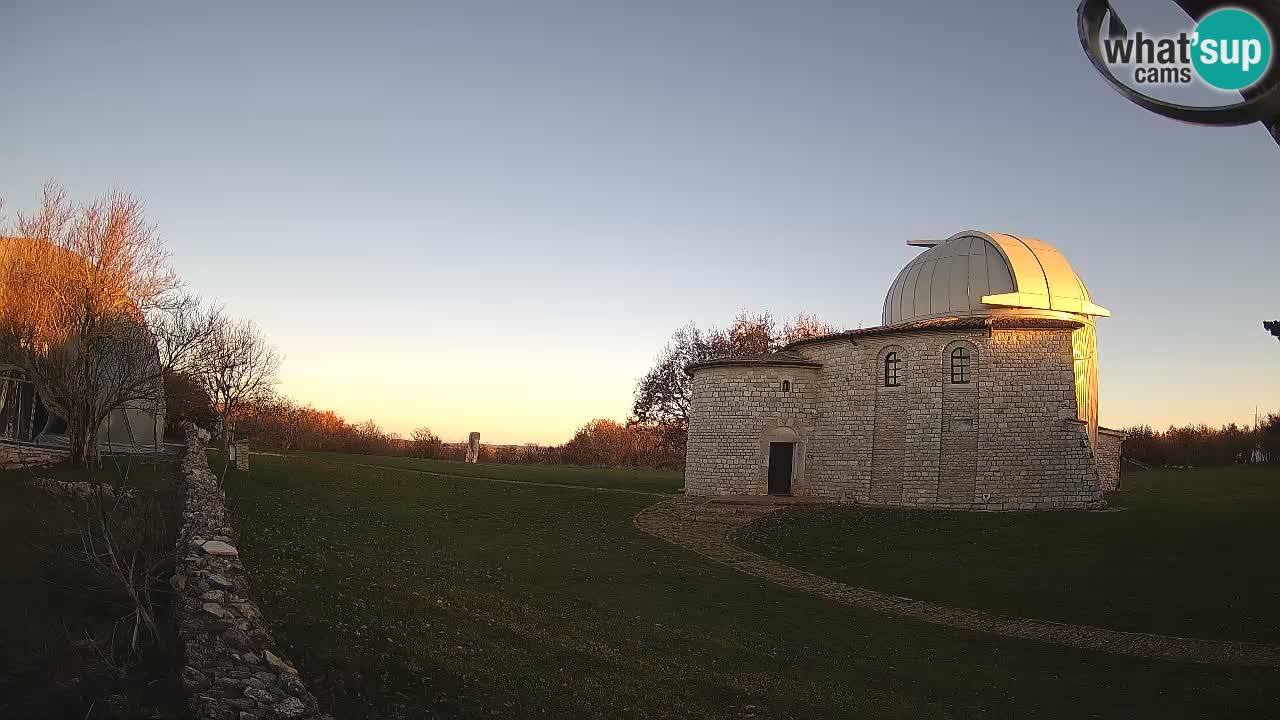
{"points": [[232, 669], [1008, 440], [18, 455]]}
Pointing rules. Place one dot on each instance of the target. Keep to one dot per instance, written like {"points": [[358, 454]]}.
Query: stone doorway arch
{"points": [[782, 459]]}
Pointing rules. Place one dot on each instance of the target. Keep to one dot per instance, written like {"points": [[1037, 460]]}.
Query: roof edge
{"points": [[691, 368], [973, 322]]}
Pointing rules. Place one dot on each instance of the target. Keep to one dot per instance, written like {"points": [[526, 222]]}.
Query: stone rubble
{"points": [[63, 488], [232, 669]]}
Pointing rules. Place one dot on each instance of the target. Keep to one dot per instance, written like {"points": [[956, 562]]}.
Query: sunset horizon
{"points": [[725, 360]]}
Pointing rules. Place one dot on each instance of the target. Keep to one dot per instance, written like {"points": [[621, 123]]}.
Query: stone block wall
{"points": [[1110, 443], [841, 456], [18, 455], [733, 413], [1035, 451], [232, 669], [888, 445], [1008, 440], [958, 446]]}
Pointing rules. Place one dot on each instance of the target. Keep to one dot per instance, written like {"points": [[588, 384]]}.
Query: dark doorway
{"points": [[780, 454]]}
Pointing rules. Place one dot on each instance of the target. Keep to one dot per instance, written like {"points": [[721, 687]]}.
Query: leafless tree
{"points": [[663, 395], [183, 326], [75, 290], [124, 543], [425, 443], [805, 326], [239, 365]]}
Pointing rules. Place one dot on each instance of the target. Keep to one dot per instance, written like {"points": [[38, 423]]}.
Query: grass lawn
{"points": [[57, 633], [402, 595], [1193, 553], [642, 479]]}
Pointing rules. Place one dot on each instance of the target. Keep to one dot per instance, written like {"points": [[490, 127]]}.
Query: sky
{"points": [[491, 216]]}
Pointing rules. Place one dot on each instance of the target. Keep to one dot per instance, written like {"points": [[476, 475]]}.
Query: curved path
{"points": [[707, 528]]}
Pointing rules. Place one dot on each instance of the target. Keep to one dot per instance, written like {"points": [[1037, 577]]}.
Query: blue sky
{"points": [[490, 216]]}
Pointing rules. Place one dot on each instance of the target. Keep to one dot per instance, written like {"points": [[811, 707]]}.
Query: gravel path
{"points": [[708, 528]]}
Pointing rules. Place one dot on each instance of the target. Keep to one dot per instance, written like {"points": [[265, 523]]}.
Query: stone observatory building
{"points": [[978, 392]]}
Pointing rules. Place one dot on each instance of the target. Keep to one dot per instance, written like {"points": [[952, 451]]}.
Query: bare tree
{"points": [[124, 542], [239, 365], [75, 291], [183, 326], [805, 326], [663, 395], [425, 443]]}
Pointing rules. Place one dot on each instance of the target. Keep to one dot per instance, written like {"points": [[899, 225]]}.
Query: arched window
{"points": [[961, 365], [892, 370], [786, 386]]}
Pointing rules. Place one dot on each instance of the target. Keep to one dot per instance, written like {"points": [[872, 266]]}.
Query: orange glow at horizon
{"points": [[535, 398], [542, 394]]}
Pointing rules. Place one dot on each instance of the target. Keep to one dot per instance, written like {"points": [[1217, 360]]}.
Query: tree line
{"points": [[279, 422], [1201, 445], [654, 435]]}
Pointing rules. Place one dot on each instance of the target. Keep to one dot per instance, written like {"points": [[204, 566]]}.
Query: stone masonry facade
{"points": [[1109, 445], [1008, 440], [733, 412]]}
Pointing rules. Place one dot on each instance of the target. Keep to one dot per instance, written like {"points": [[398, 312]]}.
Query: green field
{"points": [[402, 594], [60, 641], [1190, 553], [644, 480]]}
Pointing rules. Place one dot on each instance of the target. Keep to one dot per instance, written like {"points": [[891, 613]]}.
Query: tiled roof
{"points": [[974, 322], [775, 359]]}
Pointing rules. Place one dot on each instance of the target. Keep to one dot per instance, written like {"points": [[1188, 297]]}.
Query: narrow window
{"points": [[892, 376], [960, 365], [786, 386]]}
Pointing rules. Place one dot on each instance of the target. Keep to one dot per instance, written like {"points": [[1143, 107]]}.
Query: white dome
{"points": [[978, 273]]}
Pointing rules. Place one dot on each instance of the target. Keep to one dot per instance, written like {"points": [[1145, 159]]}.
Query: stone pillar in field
{"points": [[240, 455], [473, 447]]}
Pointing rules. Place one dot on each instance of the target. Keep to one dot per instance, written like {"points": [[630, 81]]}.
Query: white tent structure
{"points": [[25, 416]]}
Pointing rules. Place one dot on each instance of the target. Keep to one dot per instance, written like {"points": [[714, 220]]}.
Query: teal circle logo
{"points": [[1232, 49]]}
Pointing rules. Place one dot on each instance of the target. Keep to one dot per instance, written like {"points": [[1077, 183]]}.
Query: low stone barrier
{"points": [[82, 490], [231, 668], [19, 455]]}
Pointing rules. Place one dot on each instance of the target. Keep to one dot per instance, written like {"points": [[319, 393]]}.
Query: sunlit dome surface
{"points": [[978, 273]]}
